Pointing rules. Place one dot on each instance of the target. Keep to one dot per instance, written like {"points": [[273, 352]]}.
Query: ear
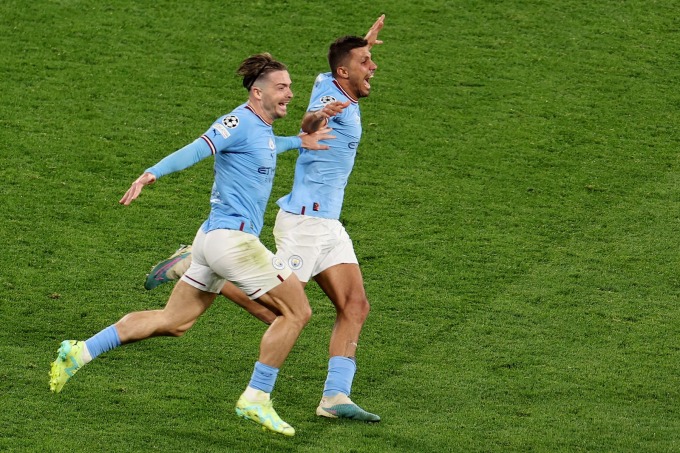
{"points": [[257, 92], [342, 72]]}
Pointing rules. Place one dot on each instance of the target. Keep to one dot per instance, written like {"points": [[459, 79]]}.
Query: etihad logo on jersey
{"points": [[230, 121], [266, 170]]}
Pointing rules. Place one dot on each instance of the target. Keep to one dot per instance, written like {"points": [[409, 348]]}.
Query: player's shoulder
{"points": [[325, 83], [327, 90], [236, 117], [230, 125], [239, 118], [324, 77]]}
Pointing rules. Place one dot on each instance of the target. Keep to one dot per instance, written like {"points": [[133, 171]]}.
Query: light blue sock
{"points": [[340, 376], [104, 341], [264, 377]]}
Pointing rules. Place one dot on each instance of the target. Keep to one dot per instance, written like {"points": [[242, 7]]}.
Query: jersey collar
{"points": [[258, 115], [354, 101]]}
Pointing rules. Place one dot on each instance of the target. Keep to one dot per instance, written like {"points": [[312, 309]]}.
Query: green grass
{"points": [[515, 207]]}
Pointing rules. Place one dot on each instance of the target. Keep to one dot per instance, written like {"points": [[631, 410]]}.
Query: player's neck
{"points": [[256, 107], [344, 84]]}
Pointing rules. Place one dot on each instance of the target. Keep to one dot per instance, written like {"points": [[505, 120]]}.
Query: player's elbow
{"points": [[307, 127], [310, 123]]}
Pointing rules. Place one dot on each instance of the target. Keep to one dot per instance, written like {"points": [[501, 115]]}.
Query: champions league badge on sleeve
{"points": [[230, 121], [325, 100]]}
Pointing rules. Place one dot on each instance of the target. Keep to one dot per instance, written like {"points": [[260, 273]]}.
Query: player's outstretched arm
{"points": [[314, 120], [179, 160], [372, 35], [136, 188], [304, 140], [311, 141]]}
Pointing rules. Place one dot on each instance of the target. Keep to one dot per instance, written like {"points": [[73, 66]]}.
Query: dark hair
{"points": [[257, 65], [341, 48]]}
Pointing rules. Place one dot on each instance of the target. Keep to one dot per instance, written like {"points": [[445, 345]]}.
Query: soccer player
{"points": [[309, 235], [226, 246]]}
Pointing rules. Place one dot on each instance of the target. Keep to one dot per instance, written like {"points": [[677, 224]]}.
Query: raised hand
{"points": [[372, 35]]}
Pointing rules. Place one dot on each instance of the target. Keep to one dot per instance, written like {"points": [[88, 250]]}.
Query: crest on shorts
{"points": [[327, 99], [278, 263], [295, 262], [231, 121]]}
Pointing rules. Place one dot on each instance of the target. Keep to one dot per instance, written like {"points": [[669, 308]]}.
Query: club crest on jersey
{"points": [[231, 121], [272, 145], [295, 262], [278, 263], [326, 99]]}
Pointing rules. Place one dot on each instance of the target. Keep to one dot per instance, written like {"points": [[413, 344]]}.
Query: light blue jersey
{"points": [[245, 150], [245, 162], [321, 176]]}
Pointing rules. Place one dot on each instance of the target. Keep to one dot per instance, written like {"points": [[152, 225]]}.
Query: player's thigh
{"points": [[288, 298], [342, 283], [186, 304]]}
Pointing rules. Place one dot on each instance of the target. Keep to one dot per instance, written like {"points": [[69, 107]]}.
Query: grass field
{"points": [[515, 206]]}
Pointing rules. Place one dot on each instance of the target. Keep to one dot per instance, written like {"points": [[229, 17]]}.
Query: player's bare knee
{"points": [[356, 309], [176, 332], [301, 316], [306, 315]]}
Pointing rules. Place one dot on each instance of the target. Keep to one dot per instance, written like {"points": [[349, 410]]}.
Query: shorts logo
{"points": [[295, 262], [278, 263], [327, 99], [231, 121]]}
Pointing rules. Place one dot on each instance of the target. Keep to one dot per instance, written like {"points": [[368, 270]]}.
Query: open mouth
{"points": [[367, 84]]}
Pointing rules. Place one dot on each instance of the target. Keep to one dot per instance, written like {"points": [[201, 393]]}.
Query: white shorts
{"points": [[310, 245], [221, 255]]}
